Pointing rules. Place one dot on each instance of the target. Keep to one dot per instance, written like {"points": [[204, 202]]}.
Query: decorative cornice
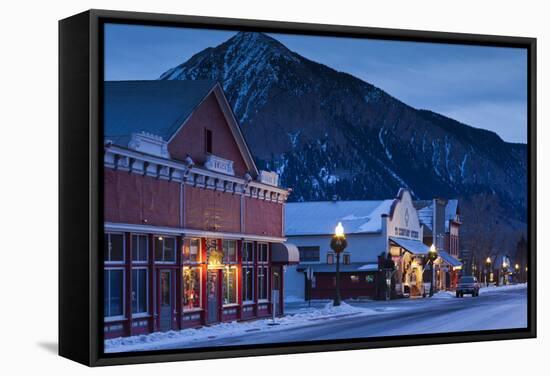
{"points": [[132, 161]]}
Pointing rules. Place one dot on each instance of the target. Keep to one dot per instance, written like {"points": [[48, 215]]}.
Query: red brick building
{"points": [[193, 231]]}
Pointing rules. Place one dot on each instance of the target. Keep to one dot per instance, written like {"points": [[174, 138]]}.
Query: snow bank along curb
{"points": [[303, 317]]}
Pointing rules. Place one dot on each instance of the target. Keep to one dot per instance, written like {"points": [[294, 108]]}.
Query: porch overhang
{"points": [[450, 260], [413, 246], [284, 253]]}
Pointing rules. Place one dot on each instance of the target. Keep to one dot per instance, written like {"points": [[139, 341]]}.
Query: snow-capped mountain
{"points": [[329, 133]]}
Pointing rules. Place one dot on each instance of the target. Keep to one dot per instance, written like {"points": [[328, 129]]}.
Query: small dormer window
{"points": [[208, 141]]}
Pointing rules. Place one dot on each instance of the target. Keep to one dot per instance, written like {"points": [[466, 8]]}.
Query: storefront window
{"points": [[139, 248], [354, 278], [113, 290], [229, 286], [229, 251], [165, 249], [248, 283], [192, 250], [191, 288], [113, 247], [262, 283], [262, 253], [139, 290], [248, 252], [248, 271]]}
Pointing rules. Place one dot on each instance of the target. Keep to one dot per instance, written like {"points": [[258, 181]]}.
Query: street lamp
{"points": [[504, 271], [338, 243], [517, 272], [487, 268], [432, 256]]}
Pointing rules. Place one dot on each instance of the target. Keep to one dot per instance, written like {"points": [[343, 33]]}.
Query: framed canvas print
{"points": [[240, 187]]}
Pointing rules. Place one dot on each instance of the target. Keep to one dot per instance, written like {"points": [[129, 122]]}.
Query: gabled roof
{"points": [[157, 107], [161, 108], [426, 215], [320, 217]]}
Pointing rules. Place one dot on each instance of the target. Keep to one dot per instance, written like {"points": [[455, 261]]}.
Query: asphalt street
{"points": [[502, 309]]}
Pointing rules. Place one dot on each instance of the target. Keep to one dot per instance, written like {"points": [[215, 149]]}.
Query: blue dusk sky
{"points": [[485, 87]]}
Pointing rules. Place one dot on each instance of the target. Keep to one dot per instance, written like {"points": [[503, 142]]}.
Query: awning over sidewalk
{"points": [[449, 259], [285, 253], [413, 246]]}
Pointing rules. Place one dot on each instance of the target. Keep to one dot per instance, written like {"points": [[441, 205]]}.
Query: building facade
{"points": [[440, 220], [375, 230], [194, 233]]}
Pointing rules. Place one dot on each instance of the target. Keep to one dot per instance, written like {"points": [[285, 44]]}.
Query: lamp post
{"points": [[487, 268], [517, 272], [338, 243], [504, 271], [432, 256]]}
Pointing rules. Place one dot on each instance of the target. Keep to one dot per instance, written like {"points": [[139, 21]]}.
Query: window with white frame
{"points": [[113, 292], [248, 271], [330, 258], [139, 290], [191, 288], [346, 258], [262, 282], [140, 248], [229, 251], [113, 248], [191, 250], [229, 290], [165, 249], [263, 271]]}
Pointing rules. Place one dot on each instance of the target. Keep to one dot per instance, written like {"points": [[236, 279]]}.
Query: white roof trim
{"points": [[128, 227]]}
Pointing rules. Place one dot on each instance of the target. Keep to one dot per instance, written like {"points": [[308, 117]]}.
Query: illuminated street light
{"points": [[432, 256], [488, 263], [338, 243]]}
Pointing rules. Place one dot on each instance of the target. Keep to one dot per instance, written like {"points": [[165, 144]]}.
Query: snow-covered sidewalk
{"points": [[302, 318], [517, 286]]}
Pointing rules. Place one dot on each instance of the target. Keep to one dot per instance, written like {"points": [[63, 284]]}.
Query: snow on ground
{"points": [[517, 286], [498, 307], [303, 317]]}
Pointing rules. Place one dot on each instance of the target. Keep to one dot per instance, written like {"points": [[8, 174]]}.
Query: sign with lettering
{"points": [[218, 164]]}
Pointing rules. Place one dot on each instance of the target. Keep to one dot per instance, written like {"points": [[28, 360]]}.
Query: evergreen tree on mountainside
{"points": [[329, 133]]}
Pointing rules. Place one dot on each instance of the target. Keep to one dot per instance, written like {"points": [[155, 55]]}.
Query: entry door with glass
{"points": [[165, 313], [213, 294]]}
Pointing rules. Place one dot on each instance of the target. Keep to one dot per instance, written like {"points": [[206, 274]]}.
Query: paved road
{"points": [[493, 310]]}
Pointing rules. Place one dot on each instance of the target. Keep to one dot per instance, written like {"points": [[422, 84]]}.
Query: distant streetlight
{"points": [[517, 272], [432, 256], [338, 243], [487, 269], [504, 271]]}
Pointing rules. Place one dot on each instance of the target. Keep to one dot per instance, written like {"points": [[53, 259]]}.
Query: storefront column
{"points": [[239, 278], [151, 283], [204, 276], [128, 281], [179, 281]]}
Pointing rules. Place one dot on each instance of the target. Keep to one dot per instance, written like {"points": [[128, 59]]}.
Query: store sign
{"points": [[218, 164]]}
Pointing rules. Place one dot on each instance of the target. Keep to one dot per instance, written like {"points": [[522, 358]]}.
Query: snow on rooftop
{"points": [[320, 217]]}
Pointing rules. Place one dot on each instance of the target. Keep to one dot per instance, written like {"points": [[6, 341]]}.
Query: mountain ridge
{"points": [[340, 135]]}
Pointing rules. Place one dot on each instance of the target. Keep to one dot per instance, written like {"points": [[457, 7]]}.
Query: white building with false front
{"points": [[374, 229]]}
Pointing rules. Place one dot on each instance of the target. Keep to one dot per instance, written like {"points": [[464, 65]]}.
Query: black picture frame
{"points": [[80, 182]]}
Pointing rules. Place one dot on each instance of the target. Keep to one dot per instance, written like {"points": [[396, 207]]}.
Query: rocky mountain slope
{"points": [[329, 133]]}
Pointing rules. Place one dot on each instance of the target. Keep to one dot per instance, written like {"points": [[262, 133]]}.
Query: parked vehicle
{"points": [[467, 285]]}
